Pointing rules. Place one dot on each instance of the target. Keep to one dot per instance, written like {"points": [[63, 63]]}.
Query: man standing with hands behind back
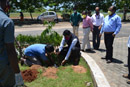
{"points": [[97, 20], [75, 20], [111, 27], [10, 75]]}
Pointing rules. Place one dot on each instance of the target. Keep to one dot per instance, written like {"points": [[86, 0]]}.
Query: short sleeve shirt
{"points": [[6, 34]]}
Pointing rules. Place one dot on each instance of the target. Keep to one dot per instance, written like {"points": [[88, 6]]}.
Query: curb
{"points": [[98, 76]]}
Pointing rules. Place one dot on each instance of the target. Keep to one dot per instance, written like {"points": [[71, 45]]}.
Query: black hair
{"points": [[49, 48], [85, 12], [114, 8], [66, 32]]}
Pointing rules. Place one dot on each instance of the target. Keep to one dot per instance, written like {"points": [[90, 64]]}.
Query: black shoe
{"points": [[109, 61], [103, 57], [82, 50], [125, 65], [96, 48], [88, 50], [128, 82]]}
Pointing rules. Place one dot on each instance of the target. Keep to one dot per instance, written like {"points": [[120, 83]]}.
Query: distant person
{"points": [[111, 27], [10, 75], [89, 13], [39, 54], [97, 20], [128, 75], [75, 20], [71, 52], [21, 16], [87, 27]]}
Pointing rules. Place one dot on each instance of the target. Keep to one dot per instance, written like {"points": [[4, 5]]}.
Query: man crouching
{"points": [[72, 51]]}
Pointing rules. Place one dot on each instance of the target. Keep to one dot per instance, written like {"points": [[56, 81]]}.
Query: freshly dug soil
{"points": [[79, 69], [29, 75], [37, 67], [50, 73]]}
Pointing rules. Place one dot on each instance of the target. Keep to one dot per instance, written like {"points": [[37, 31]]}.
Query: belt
{"points": [[108, 32], [85, 27], [95, 26]]}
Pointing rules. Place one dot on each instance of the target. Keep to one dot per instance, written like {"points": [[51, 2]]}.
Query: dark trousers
{"points": [[96, 38], [109, 46], [74, 56], [129, 62]]}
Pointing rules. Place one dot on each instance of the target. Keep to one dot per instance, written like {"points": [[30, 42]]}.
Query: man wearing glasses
{"points": [[97, 20]]}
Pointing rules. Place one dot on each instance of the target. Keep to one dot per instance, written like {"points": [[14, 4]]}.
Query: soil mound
{"points": [[37, 67], [79, 69], [29, 75], [50, 73]]}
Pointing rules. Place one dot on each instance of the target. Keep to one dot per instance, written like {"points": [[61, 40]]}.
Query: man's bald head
{"points": [[97, 9]]}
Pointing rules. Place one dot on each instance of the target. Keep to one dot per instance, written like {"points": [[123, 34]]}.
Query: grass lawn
{"points": [[66, 77]]}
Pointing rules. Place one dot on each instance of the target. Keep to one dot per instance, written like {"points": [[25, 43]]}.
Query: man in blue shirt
{"points": [[10, 75], [111, 27], [75, 20], [38, 54]]}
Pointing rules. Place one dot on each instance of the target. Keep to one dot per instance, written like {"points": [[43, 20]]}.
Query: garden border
{"points": [[97, 74]]}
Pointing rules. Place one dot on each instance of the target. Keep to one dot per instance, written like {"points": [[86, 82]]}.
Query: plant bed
{"points": [[63, 76]]}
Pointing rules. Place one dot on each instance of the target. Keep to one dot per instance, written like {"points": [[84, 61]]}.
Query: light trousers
{"points": [[75, 30], [86, 33]]}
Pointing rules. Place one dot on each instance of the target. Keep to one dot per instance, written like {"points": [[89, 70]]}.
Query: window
{"points": [[51, 13]]}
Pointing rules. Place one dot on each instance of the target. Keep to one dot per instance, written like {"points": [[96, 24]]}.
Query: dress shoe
{"points": [[109, 61], [88, 50], [128, 82], [125, 76], [125, 65], [103, 57], [82, 50]]}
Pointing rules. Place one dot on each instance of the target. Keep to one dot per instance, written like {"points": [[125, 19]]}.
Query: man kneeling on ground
{"points": [[72, 51], [39, 54]]}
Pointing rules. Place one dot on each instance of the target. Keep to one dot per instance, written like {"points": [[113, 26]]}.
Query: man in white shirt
{"points": [[72, 51], [128, 75], [97, 20]]}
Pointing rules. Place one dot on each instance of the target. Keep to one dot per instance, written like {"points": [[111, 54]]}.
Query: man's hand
{"points": [[100, 35], [57, 53], [18, 80], [71, 24], [100, 27], [63, 62], [113, 35]]}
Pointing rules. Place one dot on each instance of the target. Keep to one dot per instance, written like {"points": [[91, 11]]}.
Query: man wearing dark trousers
{"points": [[111, 27], [72, 51], [10, 75], [97, 20], [128, 75]]}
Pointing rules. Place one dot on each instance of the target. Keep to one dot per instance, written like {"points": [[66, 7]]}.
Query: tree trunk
{"points": [[31, 15], [124, 14]]}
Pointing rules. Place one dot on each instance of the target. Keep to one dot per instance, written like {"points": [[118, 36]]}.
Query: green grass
{"points": [[66, 78]]}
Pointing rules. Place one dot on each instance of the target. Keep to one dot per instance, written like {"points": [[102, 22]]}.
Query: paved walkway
{"points": [[113, 71]]}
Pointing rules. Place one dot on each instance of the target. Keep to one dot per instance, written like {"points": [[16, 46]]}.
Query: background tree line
{"points": [[68, 5]]}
